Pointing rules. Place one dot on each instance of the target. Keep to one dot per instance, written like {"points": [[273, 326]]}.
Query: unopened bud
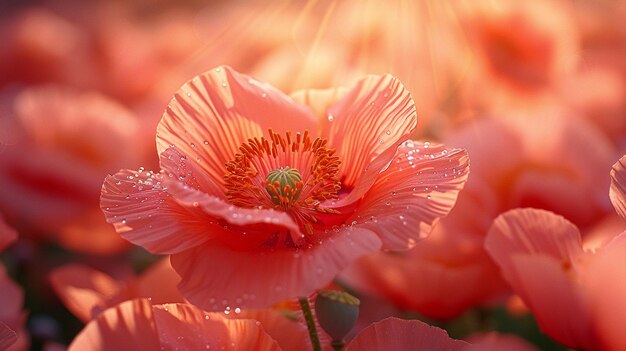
{"points": [[337, 312]]}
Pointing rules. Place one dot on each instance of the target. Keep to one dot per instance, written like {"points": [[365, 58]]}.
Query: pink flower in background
{"points": [[60, 144], [86, 291], [545, 161], [519, 50], [264, 197], [572, 289]]}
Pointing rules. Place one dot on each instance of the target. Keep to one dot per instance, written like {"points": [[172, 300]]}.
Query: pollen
{"points": [[290, 173]]}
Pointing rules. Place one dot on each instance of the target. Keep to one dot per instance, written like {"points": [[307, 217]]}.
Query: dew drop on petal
{"points": [[331, 118]]}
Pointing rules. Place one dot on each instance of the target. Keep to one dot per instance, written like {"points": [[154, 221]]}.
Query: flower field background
{"points": [[393, 175]]}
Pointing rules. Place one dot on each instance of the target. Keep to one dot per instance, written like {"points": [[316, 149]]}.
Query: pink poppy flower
{"points": [[263, 197], [53, 167], [86, 292], [545, 161], [521, 49], [137, 324], [570, 287]]}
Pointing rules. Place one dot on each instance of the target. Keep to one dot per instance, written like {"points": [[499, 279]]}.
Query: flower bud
{"points": [[337, 312]]}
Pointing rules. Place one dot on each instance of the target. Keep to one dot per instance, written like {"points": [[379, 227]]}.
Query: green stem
{"points": [[310, 323], [338, 345]]}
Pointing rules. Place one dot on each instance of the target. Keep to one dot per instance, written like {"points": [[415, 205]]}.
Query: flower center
{"points": [[291, 174], [284, 186]]}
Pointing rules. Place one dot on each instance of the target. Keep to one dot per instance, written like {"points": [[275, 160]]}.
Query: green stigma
{"points": [[284, 185]]}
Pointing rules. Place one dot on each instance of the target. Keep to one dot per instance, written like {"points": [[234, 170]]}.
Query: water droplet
{"points": [[393, 193], [224, 85], [188, 94], [381, 141], [428, 197], [193, 146], [331, 118], [388, 203], [123, 220], [264, 95], [237, 310], [426, 145], [206, 316], [195, 204], [388, 132], [206, 142], [219, 69]]}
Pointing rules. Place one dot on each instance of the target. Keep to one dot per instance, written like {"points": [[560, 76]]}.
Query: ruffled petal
{"points": [[127, 326], [533, 232], [143, 212], [7, 235], [83, 290], [215, 277], [238, 217], [213, 114], [7, 336], [617, 192], [400, 334], [420, 185], [185, 327], [374, 117]]}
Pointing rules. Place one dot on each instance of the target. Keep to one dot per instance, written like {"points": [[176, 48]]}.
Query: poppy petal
{"points": [[261, 278], [127, 326], [420, 185], [400, 334], [185, 327], [214, 113]]}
